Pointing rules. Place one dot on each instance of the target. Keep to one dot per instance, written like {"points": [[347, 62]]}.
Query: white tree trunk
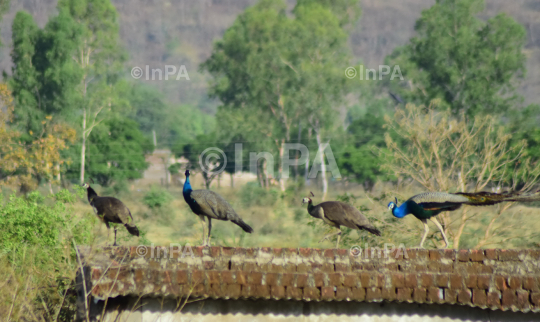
{"points": [[322, 147], [83, 149], [282, 180]]}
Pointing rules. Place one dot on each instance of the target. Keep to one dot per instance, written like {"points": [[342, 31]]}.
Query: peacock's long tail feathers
{"points": [[243, 225], [490, 198]]}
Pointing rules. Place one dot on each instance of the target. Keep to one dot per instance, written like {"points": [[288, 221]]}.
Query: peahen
{"points": [[427, 205], [206, 203], [111, 210], [337, 214]]}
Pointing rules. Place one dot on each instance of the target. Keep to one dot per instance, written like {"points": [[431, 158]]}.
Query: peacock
{"points": [[111, 210], [206, 203], [337, 214], [427, 205]]}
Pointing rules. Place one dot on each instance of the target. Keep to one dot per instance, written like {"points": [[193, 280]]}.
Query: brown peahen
{"points": [[111, 210], [206, 203], [337, 214]]}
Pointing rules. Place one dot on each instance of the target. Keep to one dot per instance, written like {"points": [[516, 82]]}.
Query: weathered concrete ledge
{"points": [[491, 279]]}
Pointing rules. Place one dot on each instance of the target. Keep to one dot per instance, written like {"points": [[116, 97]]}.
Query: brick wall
{"points": [[495, 279]]}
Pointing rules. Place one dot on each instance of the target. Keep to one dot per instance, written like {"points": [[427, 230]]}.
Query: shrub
{"points": [[157, 198]]}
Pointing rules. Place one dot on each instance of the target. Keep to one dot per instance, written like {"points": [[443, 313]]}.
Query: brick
{"points": [[426, 280], [335, 279], [434, 255], [508, 255], [493, 299], [326, 267], [254, 278], [482, 281], [197, 251], [464, 296], [450, 295], [373, 293], [448, 254], [535, 299], [358, 293], [213, 277], [500, 283], [410, 280], [404, 294], [343, 268], [476, 255], [509, 298], [389, 293], [272, 279], [327, 293], [227, 251], [523, 299], [447, 268], [343, 293], [276, 251], [463, 255], [491, 254], [398, 280], [262, 291], [302, 268], [530, 283], [197, 276], [380, 280], [293, 292], [233, 290], [139, 275], [418, 254], [248, 290], [364, 279], [479, 297], [319, 279], [304, 252], [329, 253], [396, 254], [199, 290], [456, 281], [419, 294], [392, 267], [433, 295], [434, 267], [514, 282], [312, 293], [249, 267], [441, 280], [215, 251], [277, 292], [302, 280], [471, 281], [421, 268], [242, 277], [181, 277], [350, 280], [228, 277], [215, 291], [274, 268], [287, 279]]}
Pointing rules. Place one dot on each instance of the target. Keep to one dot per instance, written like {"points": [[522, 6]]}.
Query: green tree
{"points": [[99, 55], [116, 152], [468, 63]]}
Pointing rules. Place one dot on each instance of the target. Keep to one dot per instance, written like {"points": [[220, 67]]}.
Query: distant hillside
{"points": [[181, 32]]}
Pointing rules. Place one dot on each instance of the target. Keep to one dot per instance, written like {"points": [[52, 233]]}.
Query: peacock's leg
{"points": [[201, 217], [115, 229], [329, 235], [338, 238], [209, 230], [426, 230], [108, 232], [436, 222]]}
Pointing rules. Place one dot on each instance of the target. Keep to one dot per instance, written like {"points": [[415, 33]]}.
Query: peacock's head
{"points": [[86, 185], [187, 173], [306, 200], [392, 205]]}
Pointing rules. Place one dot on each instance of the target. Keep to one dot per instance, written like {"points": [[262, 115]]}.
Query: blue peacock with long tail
{"points": [[428, 205]]}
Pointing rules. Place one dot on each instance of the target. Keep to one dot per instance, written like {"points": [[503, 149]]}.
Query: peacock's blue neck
{"points": [[187, 189], [401, 211]]}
